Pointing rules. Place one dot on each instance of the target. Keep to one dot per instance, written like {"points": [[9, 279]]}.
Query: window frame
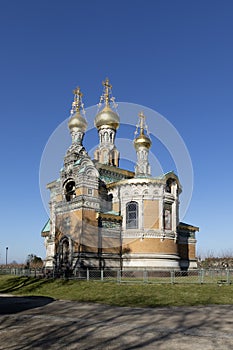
{"points": [[132, 215]]}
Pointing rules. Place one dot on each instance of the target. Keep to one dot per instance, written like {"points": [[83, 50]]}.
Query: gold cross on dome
{"points": [[77, 98], [142, 121], [78, 92], [107, 90]]}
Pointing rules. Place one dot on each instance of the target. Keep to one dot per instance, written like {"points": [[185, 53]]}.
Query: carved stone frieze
{"points": [[77, 203], [147, 234]]}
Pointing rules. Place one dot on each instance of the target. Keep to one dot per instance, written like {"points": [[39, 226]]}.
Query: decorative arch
{"points": [[91, 171], [132, 215]]}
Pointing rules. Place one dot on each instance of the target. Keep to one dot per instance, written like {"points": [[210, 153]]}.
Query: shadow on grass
{"points": [[12, 304], [26, 284]]}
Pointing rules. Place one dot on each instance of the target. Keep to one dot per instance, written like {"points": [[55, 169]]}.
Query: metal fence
{"points": [[200, 276], [21, 271]]}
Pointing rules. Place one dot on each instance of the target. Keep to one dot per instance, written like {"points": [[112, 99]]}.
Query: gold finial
{"points": [[107, 91], [142, 139], [77, 99], [142, 122], [77, 119]]}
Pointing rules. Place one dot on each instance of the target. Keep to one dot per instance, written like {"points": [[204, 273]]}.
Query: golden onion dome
{"points": [[142, 141], [77, 121], [107, 118]]}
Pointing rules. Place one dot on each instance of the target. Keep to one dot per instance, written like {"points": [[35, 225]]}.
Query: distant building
{"points": [[102, 216]]}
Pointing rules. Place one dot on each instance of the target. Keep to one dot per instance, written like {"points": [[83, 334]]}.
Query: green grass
{"points": [[135, 295]]}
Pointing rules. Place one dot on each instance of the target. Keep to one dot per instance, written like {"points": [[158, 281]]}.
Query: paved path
{"points": [[42, 323]]}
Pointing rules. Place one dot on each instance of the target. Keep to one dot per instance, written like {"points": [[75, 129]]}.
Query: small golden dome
{"points": [[77, 121], [142, 141], [107, 118]]}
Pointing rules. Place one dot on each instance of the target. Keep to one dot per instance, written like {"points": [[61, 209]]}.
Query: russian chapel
{"points": [[102, 216]]}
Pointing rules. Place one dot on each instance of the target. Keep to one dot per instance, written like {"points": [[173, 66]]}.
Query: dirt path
{"points": [[41, 323]]}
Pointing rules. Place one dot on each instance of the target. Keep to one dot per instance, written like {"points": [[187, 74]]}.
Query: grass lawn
{"points": [[136, 295]]}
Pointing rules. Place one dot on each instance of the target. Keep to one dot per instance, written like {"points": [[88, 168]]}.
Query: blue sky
{"points": [[175, 57]]}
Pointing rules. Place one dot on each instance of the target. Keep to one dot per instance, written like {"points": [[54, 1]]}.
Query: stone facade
{"points": [[102, 216]]}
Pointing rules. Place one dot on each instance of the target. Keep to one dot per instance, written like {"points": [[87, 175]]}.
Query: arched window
{"points": [[132, 215], [64, 251], [167, 214], [169, 185], [105, 157], [69, 189]]}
